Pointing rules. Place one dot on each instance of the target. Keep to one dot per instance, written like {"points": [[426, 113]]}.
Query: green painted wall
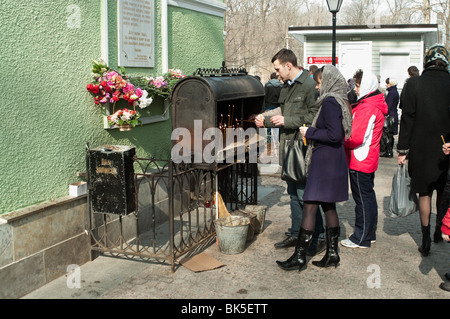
{"points": [[47, 114]]}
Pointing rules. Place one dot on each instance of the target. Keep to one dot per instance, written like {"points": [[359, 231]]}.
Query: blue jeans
{"points": [[295, 191], [366, 209]]}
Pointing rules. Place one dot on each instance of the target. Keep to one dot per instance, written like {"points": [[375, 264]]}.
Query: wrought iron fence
{"points": [[175, 209]]}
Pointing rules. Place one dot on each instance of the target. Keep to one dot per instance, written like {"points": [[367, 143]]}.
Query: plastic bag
{"points": [[402, 202]]}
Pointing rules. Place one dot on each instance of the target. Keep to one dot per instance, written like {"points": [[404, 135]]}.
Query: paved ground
{"points": [[391, 268]]}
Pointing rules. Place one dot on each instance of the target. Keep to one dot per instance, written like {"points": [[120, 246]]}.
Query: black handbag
{"points": [[389, 124], [294, 168]]}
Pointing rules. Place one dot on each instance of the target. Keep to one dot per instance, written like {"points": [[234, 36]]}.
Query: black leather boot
{"points": [[390, 148], [426, 241], [331, 256], [437, 237], [287, 242], [298, 259], [316, 247]]}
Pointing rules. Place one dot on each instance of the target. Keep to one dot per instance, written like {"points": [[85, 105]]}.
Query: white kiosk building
{"points": [[386, 50]]}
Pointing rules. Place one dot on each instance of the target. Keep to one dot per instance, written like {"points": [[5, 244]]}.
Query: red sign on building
{"points": [[321, 60]]}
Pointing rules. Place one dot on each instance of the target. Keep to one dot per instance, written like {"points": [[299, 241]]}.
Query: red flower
{"points": [[93, 88], [105, 86]]}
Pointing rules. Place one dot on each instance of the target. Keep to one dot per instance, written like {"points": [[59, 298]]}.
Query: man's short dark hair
{"points": [[285, 56], [413, 71], [313, 68]]}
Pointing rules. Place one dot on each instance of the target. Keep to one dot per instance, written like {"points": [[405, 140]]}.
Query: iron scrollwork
{"points": [[222, 71]]}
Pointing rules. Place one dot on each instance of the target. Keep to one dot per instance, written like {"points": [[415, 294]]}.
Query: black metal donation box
{"points": [[111, 178], [215, 99]]}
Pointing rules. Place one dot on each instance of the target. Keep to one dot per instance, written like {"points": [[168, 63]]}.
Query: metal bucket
{"points": [[232, 234], [253, 222], [260, 211]]}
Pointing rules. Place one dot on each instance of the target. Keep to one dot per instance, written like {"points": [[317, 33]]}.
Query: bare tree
{"points": [[398, 12], [318, 14], [245, 25], [426, 9], [360, 12], [442, 9], [257, 29]]}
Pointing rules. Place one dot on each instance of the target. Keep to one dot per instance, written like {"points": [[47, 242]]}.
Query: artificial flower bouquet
{"points": [[123, 117], [110, 86], [163, 85]]}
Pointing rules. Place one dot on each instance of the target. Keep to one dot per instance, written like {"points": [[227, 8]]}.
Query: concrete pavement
{"points": [[391, 268]]}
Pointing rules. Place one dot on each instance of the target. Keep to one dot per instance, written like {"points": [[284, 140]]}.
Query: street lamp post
{"points": [[334, 6]]}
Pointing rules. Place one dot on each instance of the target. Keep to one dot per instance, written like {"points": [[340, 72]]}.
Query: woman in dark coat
{"points": [[326, 163], [391, 127], [425, 117], [392, 99]]}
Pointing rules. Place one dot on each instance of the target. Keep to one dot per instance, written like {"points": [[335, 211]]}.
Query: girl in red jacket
{"points": [[363, 151], [445, 228]]}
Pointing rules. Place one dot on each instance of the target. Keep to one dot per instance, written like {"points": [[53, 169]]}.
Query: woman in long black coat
{"points": [[392, 99], [391, 127], [425, 118]]}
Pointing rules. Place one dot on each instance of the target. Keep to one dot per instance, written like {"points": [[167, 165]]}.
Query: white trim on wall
{"points": [[104, 32], [212, 7], [305, 55], [422, 55], [164, 36]]}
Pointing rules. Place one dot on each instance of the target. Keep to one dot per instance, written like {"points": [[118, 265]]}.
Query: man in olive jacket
{"points": [[297, 107]]}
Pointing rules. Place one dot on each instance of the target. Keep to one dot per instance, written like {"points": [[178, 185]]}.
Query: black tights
{"points": [[425, 206], [309, 215]]}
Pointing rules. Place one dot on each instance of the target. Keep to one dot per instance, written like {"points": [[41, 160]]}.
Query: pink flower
{"points": [[158, 82], [129, 88], [105, 98], [111, 74], [176, 73]]}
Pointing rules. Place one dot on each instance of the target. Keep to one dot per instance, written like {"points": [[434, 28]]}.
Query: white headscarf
{"points": [[369, 83]]}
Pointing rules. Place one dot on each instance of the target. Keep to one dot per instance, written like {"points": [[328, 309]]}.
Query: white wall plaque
{"points": [[136, 24]]}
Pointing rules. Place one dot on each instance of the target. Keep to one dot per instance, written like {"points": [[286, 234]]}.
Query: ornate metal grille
{"points": [[175, 209]]}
